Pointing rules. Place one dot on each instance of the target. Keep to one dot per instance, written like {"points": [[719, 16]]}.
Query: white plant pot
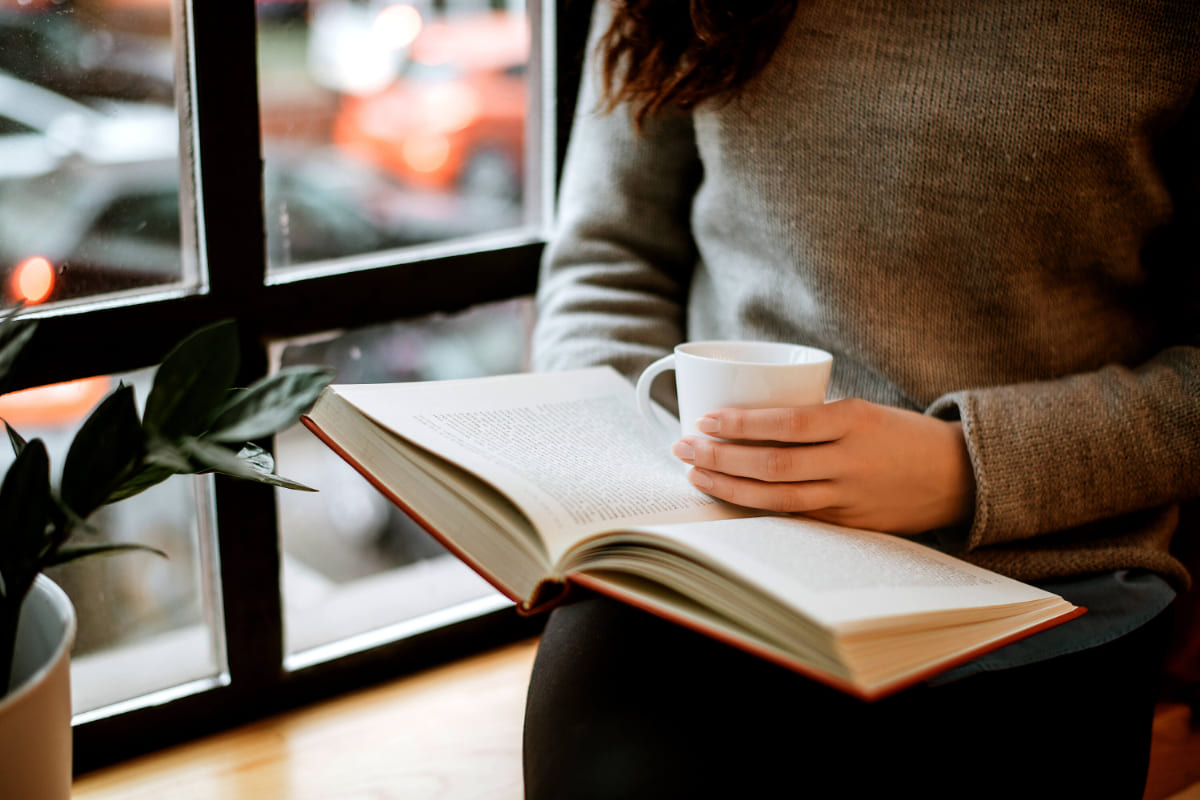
{"points": [[35, 715]]}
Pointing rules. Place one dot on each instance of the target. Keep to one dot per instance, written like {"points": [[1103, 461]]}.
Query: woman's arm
{"points": [[615, 276], [1057, 454]]}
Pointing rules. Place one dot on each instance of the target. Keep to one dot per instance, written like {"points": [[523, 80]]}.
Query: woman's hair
{"points": [[660, 53]]}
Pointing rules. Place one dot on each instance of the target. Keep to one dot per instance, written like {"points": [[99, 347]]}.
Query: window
{"points": [[355, 569], [359, 182]]}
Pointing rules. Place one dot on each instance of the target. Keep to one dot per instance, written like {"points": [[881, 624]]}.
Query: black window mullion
{"points": [[446, 284], [572, 18], [81, 343], [228, 142], [226, 120]]}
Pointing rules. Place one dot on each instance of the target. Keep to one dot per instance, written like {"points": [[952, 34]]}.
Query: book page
{"points": [[570, 449], [842, 578]]}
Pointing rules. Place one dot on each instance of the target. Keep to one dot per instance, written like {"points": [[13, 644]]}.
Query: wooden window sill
{"points": [[453, 732]]}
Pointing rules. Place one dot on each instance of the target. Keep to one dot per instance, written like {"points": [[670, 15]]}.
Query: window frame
{"points": [[219, 83]]}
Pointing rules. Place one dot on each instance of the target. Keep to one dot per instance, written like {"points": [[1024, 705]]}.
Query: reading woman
{"points": [[989, 213]]}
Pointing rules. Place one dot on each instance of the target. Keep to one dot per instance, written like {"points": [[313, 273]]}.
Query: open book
{"points": [[540, 481]]}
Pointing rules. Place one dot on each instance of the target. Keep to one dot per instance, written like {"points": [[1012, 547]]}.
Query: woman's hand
{"points": [[849, 462]]}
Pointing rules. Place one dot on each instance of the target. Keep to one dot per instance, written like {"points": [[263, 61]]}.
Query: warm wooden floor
{"points": [[1174, 755], [452, 733]]}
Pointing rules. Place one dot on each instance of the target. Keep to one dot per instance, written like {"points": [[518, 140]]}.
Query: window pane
{"points": [[353, 564], [89, 135], [388, 124], [146, 624]]}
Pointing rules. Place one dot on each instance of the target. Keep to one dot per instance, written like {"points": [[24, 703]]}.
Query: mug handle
{"points": [[644, 382]]}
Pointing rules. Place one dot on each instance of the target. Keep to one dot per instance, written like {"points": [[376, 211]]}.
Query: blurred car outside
{"points": [[117, 226], [455, 117], [41, 129], [320, 205], [114, 227], [56, 47]]}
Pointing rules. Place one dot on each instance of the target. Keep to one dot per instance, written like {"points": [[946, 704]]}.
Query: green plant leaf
{"points": [[14, 336], [170, 456], [15, 439], [247, 464], [69, 553], [269, 405], [105, 452], [25, 510], [150, 474], [192, 381], [64, 521]]}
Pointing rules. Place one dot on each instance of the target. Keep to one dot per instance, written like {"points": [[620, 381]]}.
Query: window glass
{"points": [[87, 97], [147, 624], [410, 118], [355, 568], [153, 216]]}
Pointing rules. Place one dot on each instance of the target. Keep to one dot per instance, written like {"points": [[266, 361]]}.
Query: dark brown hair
{"points": [[661, 53]]}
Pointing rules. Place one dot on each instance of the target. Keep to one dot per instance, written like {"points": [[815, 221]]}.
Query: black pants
{"points": [[624, 705]]}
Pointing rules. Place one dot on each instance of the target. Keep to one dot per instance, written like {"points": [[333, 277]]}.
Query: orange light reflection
{"points": [[33, 280]]}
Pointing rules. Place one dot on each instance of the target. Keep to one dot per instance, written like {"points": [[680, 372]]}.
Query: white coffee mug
{"points": [[731, 374]]}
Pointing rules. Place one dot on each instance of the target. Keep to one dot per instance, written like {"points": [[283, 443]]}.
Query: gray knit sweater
{"points": [[987, 211]]}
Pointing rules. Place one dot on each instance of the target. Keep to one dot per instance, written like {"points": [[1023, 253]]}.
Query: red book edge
{"points": [[602, 587], [550, 594]]}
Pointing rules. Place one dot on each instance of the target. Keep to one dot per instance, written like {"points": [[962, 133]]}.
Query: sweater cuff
{"points": [[1054, 455], [958, 406]]}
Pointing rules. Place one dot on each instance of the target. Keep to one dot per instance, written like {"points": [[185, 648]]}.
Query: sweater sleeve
{"points": [[1058, 454], [614, 279], [1054, 455]]}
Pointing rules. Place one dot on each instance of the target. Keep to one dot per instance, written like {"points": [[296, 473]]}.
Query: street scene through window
{"points": [[385, 126]]}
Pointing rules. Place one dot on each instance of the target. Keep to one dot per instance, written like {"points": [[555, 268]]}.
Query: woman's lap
{"points": [[624, 705]]}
